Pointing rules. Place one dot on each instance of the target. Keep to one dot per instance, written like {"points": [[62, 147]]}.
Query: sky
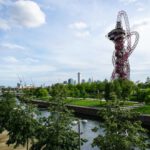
{"points": [[49, 41]]}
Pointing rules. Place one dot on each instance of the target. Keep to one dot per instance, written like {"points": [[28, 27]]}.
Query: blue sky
{"points": [[48, 41]]}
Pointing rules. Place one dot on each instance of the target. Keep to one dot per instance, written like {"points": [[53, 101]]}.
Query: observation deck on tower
{"points": [[116, 33]]}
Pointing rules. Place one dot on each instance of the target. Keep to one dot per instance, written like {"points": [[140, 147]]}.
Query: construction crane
{"points": [[122, 38]]}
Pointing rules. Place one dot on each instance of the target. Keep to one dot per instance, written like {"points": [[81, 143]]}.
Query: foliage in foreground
{"points": [[7, 103], [16, 119], [121, 130], [25, 126], [21, 126], [55, 131]]}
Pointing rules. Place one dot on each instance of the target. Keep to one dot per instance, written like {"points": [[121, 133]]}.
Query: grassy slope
{"points": [[90, 102], [97, 103], [144, 109], [85, 102]]}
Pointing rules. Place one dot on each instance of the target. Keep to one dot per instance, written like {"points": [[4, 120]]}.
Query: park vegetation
{"points": [[26, 126], [122, 129], [109, 90]]}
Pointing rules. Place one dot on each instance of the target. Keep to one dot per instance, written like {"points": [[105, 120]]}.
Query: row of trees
{"points": [[25, 125], [108, 90]]}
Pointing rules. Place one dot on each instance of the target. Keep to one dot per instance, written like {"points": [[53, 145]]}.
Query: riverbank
{"points": [[90, 112]]}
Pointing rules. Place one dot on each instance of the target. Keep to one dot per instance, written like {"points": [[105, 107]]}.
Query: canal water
{"points": [[85, 129], [86, 126]]}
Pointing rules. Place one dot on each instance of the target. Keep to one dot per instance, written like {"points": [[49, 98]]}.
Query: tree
{"points": [[41, 92], [21, 126], [113, 96], [117, 88], [7, 103], [108, 90], [127, 88], [121, 130], [55, 131]]}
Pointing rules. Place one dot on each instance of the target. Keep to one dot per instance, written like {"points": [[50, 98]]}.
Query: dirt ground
{"points": [[3, 146]]}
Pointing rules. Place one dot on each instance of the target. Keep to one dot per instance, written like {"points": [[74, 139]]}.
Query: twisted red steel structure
{"points": [[123, 46]]}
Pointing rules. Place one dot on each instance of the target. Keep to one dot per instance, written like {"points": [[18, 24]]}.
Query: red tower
{"points": [[123, 48]]}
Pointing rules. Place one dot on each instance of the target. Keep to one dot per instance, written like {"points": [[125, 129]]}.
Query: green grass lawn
{"points": [[144, 109], [85, 102], [91, 102], [97, 103], [43, 98]]}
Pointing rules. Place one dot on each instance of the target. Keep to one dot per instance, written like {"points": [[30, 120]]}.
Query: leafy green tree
{"points": [[121, 130], [113, 96], [55, 131], [76, 92], [127, 88], [21, 126], [100, 89], [26, 94], [41, 93], [7, 103], [108, 90], [117, 88]]}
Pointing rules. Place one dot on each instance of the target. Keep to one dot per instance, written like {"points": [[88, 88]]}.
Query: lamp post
{"points": [[78, 123], [79, 131]]}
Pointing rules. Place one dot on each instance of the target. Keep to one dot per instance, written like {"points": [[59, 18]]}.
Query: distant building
{"points": [[65, 82], [2, 87], [98, 81], [83, 81], [74, 82], [90, 80], [78, 75], [71, 81], [18, 85]]}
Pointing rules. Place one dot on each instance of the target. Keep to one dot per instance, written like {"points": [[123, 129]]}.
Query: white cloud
{"points": [[82, 34], [24, 13], [140, 6], [12, 46], [140, 58], [35, 69], [80, 29], [10, 59], [27, 13], [128, 1], [4, 25], [140, 9], [28, 69], [31, 60], [78, 25], [141, 23], [1, 1]]}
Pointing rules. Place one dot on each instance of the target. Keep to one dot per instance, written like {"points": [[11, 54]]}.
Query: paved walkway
{"points": [[3, 146]]}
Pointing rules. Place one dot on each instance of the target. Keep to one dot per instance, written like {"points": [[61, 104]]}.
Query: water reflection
{"points": [[85, 128]]}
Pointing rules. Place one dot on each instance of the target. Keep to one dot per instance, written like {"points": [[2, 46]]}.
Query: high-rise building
{"points": [[90, 80], [70, 81], [78, 77], [74, 82], [83, 80], [65, 82]]}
